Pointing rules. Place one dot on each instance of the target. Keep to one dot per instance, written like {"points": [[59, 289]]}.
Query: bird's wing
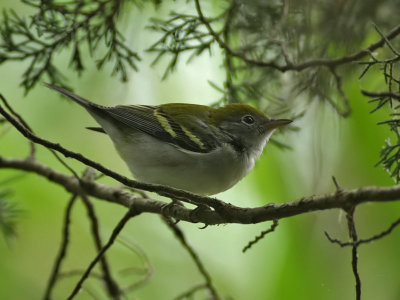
{"points": [[153, 121]]}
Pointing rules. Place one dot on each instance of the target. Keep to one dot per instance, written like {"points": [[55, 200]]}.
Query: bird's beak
{"points": [[276, 123]]}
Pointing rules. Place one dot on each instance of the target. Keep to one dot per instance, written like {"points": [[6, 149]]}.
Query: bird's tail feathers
{"points": [[97, 129], [82, 101]]}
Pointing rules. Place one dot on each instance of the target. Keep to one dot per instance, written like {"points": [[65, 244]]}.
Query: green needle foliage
{"points": [[389, 99], [180, 33], [273, 51], [268, 45], [58, 26]]}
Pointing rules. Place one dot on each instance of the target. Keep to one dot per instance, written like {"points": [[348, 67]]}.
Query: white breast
{"points": [[157, 162]]}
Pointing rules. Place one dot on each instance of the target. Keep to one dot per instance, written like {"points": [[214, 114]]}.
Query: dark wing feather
{"points": [[140, 117], [183, 125], [154, 122]]}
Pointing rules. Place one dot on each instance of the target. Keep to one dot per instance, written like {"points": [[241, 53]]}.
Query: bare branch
{"points": [[336, 183], [227, 213], [381, 94], [129, 214], [32, 144], [181, 237], [367, 240], [22, 121], [395, 52], [112, 287], [261, 236], [354, 250], [63, 249], [380, 235], [190, 292]]}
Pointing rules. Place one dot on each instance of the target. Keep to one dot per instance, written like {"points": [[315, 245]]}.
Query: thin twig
{"points": [[62, 251], [63, 26], [300, 66], [395, 52], [367, 240], [181, 237], [381, 94], [380, 235], [336, 183], [69, 168], [32, 144], [112, 285], [189, 293], [129, 214], [261, 235], [228, 59], [354, 251], [22, 121]]}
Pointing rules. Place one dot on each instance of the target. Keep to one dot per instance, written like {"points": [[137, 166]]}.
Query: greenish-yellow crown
{"points": [[235, 111]]}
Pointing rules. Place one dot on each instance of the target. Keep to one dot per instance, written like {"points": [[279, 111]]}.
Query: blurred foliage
{"points": [[8, 214], [279, 32], [274, 36], [59, 25], [388, 64]]}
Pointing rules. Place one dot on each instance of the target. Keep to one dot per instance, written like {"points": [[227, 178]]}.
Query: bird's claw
{"points": [[165, 210], [200, 208]]}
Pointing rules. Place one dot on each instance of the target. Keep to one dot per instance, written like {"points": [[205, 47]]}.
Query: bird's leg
{"points": [[199, 209], [170, 206]]}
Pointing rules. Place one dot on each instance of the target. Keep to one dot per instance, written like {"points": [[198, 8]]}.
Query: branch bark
{"points": [[226, 213]]}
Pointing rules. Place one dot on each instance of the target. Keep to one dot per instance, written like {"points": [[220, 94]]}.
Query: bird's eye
{"points": [[248, 120]]}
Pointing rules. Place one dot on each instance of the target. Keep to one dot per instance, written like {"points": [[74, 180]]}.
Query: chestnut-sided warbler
{"points": [[196, 148]]}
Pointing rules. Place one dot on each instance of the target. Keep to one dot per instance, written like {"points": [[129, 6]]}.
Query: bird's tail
{"points": [[98, 112], [82, 101]]}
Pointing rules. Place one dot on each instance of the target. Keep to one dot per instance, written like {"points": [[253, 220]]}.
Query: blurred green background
{"points": [[295, 262]]}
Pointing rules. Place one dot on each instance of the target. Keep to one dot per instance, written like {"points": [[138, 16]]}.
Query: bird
{"points": [[196, 148]]}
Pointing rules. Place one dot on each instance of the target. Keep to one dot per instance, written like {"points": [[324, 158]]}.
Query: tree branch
{"points": [[263, 233], [381, 94], [300, 66], [222, 212], [129, 214], [202, 269], [367, 240], [354, 251], [63, 249], [111, 284], [227, 213]]}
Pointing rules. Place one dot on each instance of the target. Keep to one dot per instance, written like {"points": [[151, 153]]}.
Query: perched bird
{"points": [[196, 148]]}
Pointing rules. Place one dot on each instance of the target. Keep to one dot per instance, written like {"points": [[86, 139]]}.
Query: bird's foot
{"points": [[169, 207], [198, 210]]}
